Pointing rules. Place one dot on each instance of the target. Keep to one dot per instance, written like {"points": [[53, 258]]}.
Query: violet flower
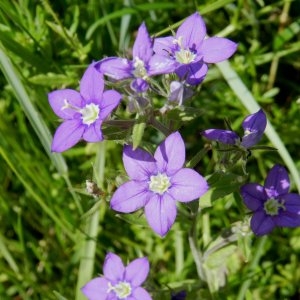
{"points": [[143, 65], [119, 282], [82, 112], [191, 50], [157, 182], [272, 204], [254, 126]]}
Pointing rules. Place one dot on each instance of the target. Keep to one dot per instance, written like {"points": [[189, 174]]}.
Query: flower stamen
{"points": [[159, 183], [122, 289], [272, 206]]}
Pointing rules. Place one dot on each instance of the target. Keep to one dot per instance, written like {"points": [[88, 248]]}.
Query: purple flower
{"points": [[119, 282], [143, 65], [179, 296], [192, 51], [157, 182], [82, 112], [254, 126], [272, 204]]}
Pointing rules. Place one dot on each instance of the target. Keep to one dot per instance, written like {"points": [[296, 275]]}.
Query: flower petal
{"points": [[115, 67], [161, 213], [261, 224], [60, 99], [196, 72], [277, 182], [253, 195], [137, 271], [130, 196], [140, 293], [187, 185], [139, 85], [143, 45], [290, 216], [93, 132], [113, 268], [164, 46], [160, 64], [192, 31], [170, 154], [67, 135], [223, 136], [254, 126], [110, 100], [216, 49], [96, 289], [92, 84], [139, 164]]}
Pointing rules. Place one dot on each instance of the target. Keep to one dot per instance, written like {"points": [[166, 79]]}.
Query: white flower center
{"points": [[272, 206], [139, 69], [183, 56], [122, 289], [90, 113], [159, 183]]}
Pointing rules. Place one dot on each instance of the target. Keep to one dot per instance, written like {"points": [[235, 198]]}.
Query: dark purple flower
{"points": [[157, 182], [254, 126], [143, 65], [119, 282], [82, 112], [191, 50], [272, 204], [179, 296]]}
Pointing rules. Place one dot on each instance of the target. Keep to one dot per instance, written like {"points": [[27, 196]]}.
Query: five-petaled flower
{"points": [[83, 112], [254, 126], [119, 282], [272, 204], [157, 182], [144, 64], [191, 50]]}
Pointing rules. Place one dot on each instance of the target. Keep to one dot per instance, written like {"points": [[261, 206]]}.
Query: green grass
{"points": [[54, 237]]}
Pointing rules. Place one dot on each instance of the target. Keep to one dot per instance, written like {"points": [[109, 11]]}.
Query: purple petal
{"points": [[143, 45], [223, 136], [216, 49], [161, 213], [59, 100], [140, 293], [194, 72], [137, 271], [261, 224], [253, 195], [113, 268], [96, 289], [110, 100], [187, 185], [277, 182], [139, 164], [92, 84], [93, 132], [130, 196], [164, 46], [115, 67], [192, 31], [290, 216], [179, 92], [67, 135], [160, 64], [170, 154], [254, 126], [139, 85]]}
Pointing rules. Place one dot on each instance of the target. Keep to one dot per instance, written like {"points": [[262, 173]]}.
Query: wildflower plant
{"points": [[155, 84]]}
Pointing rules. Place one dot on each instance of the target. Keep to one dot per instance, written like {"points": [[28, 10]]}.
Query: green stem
{"points": [[86, 266], [259, 252], [159, 126]]}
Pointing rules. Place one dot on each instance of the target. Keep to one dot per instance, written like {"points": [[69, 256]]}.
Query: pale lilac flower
{"points": [[191, 50], [119, 282], [156, 183], [179, 92], [144, 64], [82, 112], [254, 126], [272, 204]]}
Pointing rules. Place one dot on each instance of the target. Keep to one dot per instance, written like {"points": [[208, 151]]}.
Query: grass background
{"points": [[44, 211]]}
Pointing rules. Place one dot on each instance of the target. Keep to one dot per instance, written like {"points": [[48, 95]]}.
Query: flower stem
{"points": [[159, 126], [86, 266]]}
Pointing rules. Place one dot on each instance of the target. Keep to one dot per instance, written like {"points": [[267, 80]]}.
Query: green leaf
{"points": [[138, 132]]}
